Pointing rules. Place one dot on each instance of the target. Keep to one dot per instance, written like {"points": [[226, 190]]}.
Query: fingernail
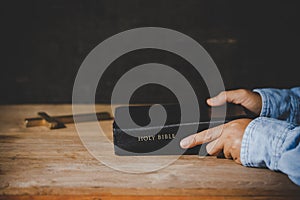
{"points": [[185, 143], [212, 100], [209, 147]]}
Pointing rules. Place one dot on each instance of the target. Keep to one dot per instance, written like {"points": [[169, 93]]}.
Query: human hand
{"points": [[250, 100], [227, 137]]}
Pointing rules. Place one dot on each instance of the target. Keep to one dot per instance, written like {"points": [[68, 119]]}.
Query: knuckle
{"points": [[223, 93], [200, 138], [234, 124], [245, 92], [236, 144], [208, 137], [227, 136], [227, 153], [196, 139]]}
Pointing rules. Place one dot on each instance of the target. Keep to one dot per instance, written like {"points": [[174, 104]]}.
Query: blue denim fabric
{"points": [[273, 139]]}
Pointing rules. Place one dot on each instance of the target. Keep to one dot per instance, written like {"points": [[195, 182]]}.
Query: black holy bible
{"points": [[164, 139]]}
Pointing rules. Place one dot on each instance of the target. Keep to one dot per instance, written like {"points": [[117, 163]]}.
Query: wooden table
{"points": [[38, 163]]}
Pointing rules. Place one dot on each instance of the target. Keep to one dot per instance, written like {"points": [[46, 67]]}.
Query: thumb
{"points": [[218, 100]]}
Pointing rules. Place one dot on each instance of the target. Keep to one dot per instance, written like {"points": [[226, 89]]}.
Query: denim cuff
{"points": [[262, 143], [280, 104], [265, 109]]}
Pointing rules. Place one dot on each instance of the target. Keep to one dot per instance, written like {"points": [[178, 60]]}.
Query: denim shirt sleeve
{"points": [[272, 140], [281, 104]]}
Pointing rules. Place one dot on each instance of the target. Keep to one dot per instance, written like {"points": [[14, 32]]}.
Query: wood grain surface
{"points": [[39, 163]]}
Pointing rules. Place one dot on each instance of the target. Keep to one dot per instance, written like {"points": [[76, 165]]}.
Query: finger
{"points": [[236, 157], [235, 154], [214, 147], [226, 151], [236, 96], [218, 100], [231, 96], [202, 137]]}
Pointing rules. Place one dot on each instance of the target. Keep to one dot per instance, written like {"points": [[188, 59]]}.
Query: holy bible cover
{"points": [[164, 140]]}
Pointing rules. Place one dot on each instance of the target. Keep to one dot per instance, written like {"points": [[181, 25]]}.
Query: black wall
{"points": [[254, 44]]}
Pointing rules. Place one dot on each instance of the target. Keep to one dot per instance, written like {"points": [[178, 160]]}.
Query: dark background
{"points": [[254, 44]]}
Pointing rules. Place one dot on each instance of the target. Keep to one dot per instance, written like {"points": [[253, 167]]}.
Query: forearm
{"points": [[274, 144]]}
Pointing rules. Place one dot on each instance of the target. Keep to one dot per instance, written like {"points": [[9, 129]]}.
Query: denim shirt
{"points": [[272, 139]]}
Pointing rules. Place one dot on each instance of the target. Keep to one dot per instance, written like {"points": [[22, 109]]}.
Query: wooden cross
{"points": [[56, 122]]}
